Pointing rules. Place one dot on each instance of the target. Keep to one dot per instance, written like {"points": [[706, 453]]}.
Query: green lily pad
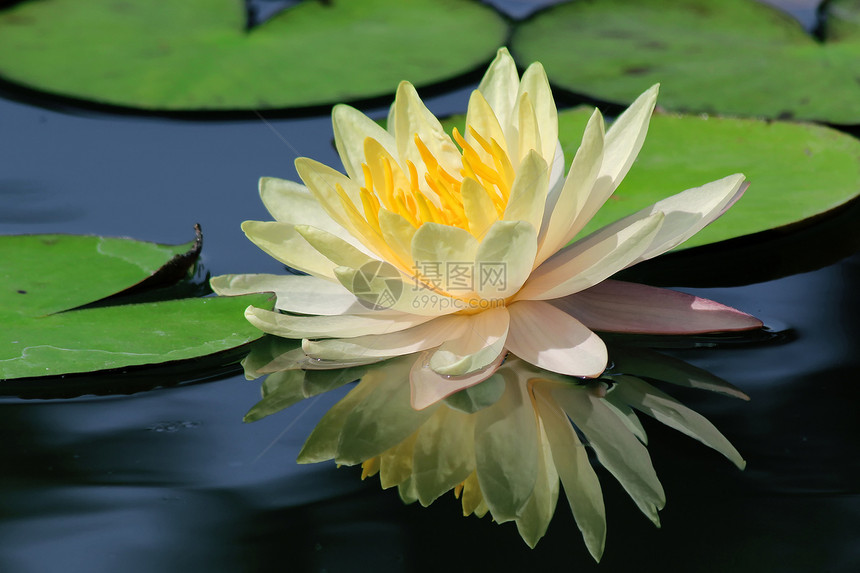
{"points": [[796, 171], [44, 274], [800, 174], [46, 281], [197, 54], [737, 57]]}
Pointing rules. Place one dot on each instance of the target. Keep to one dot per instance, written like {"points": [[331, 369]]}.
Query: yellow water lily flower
{"points": [[461, 247]]}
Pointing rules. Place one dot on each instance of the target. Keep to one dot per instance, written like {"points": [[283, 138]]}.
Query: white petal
{"points": [[422, 337], [480, 344], [581, 181], [296, 293], [340, 326], [548, 338], [686, 214]]}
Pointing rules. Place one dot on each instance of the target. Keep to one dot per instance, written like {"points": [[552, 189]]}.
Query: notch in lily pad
{"points": [[74, 305]]}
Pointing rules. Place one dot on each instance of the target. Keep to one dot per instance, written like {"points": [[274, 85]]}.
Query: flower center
{"points": [[438, 197]]}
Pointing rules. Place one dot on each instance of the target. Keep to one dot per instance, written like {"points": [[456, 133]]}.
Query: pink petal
{"points": [[553, 340], [428, 387], [616, 306]]}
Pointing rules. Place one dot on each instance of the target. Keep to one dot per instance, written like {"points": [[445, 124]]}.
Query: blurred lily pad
{"points": [[737, 57], [49, 282], [197, 54]]}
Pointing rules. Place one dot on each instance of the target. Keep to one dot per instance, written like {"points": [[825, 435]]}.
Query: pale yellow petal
{"points": [[444, 258], [283, 242], [481, 117], [685, 214], [504, 259], [398, 233], [591, 260], [499, 86], [535, 83], [351, 128], [478, 207], [335, 249], [528, 193], [413, 118]]}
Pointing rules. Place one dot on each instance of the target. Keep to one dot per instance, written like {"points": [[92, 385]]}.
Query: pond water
{"points": [[171, 479]]}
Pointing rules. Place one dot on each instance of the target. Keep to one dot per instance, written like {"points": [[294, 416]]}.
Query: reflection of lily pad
{"points": [[196, 54], [45, 275], [733, 56]]}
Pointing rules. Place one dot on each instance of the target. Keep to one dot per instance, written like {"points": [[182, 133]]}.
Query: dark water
{"points": [[172, 480]]}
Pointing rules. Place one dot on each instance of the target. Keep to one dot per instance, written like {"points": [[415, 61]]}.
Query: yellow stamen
{"points": [[433, 193], [368, 177], [371, 209]]}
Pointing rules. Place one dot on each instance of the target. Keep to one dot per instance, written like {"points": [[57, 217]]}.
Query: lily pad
{"points": [[197, 54], [737, 57], [46, 280]]}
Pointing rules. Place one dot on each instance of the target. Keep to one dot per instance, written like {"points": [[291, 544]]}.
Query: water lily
{"points": [[461, 247], [449, 275]]}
